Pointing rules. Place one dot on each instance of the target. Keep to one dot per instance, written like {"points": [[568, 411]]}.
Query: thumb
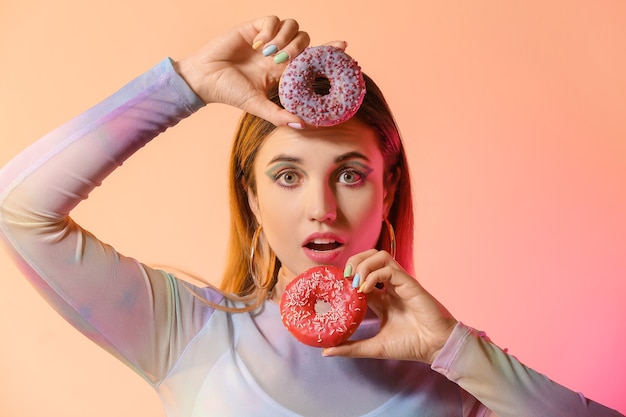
{"points": [[275, 114], [338, 44], [367, 348]]}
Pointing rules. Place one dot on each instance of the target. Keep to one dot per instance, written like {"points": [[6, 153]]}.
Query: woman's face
{"points": [[320, 194]]}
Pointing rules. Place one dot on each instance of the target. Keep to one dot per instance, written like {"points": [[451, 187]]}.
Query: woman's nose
{"points": [[322, 204]]}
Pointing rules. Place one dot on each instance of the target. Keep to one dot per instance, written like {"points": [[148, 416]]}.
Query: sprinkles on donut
{"points": [[322, 108], [344, 307]]}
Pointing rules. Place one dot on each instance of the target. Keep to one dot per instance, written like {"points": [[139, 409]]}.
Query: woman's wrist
{"points": [[441, 342], [188, 72]]}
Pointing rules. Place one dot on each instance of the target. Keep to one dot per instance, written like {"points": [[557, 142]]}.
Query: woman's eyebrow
{"points": [[340, 158], [285, 158], [351, 155]]}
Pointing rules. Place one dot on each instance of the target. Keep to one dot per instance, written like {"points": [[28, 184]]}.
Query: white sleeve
{"points": [[90, 284], [506, 386]]}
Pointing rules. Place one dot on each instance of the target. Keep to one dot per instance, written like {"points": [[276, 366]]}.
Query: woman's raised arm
{"points": [[124, 306]]}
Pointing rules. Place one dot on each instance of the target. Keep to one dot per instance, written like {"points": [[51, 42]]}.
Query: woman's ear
{"points": [[391, 184], [253, 203]]}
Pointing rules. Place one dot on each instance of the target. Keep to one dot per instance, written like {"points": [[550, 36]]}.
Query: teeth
{"points": [[323, 241]]}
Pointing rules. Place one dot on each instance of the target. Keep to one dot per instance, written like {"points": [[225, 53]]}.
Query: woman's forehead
{"points": [[349, 137]]}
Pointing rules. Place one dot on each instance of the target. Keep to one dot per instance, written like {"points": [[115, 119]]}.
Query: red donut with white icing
{"points": [[338, 104], [321, 308]]}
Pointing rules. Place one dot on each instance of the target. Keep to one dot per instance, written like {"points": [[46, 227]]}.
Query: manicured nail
{"points": [[295, 125], [280, 58], [348, 271], [269, 50], [257, 44], [356, 281]]}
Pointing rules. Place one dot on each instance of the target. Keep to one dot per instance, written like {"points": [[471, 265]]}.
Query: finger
{"points": [[298, 44], [365, 263], [355, 267], [293, 48], [287, 30], [368, 348], [355, 260], [273, 113], [380, 275], [266, 28], [275, 35], [338, 44]]}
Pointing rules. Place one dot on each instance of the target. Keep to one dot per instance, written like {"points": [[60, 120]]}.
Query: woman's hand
{"points": [[414, 325], [229, 70], [239, 67]]}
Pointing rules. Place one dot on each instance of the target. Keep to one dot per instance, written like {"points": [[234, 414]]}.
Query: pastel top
{"points": [[203, 361]]}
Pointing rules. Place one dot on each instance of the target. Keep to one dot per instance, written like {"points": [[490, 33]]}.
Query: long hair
{"points": [[238, 277]]}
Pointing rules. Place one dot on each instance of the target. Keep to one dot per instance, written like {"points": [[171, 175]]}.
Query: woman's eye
{"points": [[287, 178], [350, 177]]}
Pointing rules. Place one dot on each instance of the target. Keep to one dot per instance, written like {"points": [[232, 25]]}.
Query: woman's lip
{"points": [[323, 237], [322, 257]]}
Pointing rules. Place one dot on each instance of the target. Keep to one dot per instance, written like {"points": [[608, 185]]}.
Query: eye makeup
{"points": [[285, 174], [351, 170], [359, 171]]}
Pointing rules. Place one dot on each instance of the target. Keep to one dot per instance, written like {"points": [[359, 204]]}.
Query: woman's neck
{"points": [[284, 277]]}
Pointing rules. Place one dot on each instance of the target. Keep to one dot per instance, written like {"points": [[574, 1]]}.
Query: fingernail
{"points": [[280, 58], [348, 271], [295, 125], [356, 281], [269, 50], [257, 44]]}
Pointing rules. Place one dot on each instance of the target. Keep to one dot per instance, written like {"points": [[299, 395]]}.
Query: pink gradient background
{"points": [[514, 116]]}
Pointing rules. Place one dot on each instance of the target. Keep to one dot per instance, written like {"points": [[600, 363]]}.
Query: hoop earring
{"points": [[392, 237], [253, 274]]}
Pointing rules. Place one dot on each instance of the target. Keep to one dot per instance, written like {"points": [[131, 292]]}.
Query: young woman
{"points": [[300, 197]]}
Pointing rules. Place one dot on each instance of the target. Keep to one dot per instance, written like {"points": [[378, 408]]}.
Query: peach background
{"points": [[514, 116]]}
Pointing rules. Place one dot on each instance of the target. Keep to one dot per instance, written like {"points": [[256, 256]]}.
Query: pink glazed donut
{"points": [[347, 86], [346, 307]]}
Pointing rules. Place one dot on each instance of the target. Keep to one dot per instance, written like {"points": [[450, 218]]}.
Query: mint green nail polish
{"points": [[269, 50], [280, 58], [348, 271]]}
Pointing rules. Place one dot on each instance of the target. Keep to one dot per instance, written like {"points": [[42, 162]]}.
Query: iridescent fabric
{"points": [[205, 362]]}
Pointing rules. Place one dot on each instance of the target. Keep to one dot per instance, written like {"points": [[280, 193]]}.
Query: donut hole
{"points": [[321, 85], [322, 307]]}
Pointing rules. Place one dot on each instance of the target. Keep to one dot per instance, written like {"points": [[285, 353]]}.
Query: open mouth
{"points": [[321, 245]]}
